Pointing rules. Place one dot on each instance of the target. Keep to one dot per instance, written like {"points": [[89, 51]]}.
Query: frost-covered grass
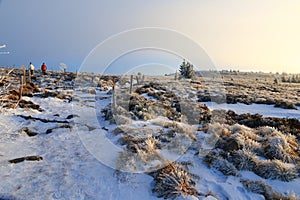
{"points": [[173, 181], [261, 187], [266, 151]]}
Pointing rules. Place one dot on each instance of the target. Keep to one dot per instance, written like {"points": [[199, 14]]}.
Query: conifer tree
{"points": [[187, 70]]}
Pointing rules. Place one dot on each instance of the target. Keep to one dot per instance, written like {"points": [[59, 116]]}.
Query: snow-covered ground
{"points": [[262, 109], [78, 164], [68, 170]]}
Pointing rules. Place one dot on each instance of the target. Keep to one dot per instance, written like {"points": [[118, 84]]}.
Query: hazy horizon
{"points": [[245, 36]]}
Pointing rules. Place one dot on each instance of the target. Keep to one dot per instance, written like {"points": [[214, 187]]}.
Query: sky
{"points": [[249, 35]]}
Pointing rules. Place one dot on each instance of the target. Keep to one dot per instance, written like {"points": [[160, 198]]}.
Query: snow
{"points": [[265, 110], [79, 163], [68, 170]]}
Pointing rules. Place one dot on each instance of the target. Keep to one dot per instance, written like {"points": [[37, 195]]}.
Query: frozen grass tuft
{"points": [[279, 146], [275, 169], [174, 181], [264, 189], [243, 144], [217, 160], [225, 167], [140, 153], [244, 159]]}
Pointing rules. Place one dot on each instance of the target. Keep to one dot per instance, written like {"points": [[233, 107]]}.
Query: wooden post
{"points": [[20, 91], [114, 98], [137, 79], [143, 78], [24, 74], [24, 80], [29, 76], [21, 86], [176, 75], [131, 80], [93, 75]]}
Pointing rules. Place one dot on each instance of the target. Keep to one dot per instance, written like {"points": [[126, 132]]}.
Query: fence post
{"points": [[114, 98], [131, 80], [21, 86], [24, 74], [93, 76], [29, 76]]}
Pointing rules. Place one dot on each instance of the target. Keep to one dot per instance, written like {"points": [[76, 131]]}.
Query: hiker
{"points": [[44, 68], [31, 68]]}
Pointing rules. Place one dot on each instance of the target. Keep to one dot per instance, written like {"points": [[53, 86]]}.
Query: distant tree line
{"points": [[291, 79]]}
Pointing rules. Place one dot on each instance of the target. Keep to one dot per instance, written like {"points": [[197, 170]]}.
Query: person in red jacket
{"points": [[44, 68]]}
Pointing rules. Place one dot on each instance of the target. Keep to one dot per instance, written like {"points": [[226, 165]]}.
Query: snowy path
{"points": [[68, 170]]}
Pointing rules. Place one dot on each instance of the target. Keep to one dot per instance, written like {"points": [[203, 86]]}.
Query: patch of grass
{"points": [[173, 181]]}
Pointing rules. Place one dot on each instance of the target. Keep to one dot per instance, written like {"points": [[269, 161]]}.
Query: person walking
{"points": [[31, 68], [44, 68]]}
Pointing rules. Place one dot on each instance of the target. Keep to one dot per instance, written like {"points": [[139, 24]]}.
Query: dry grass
{"points": [[140, 153], [262, 188], [244, 159], [275, 169], [173, 181], [242, 145]]}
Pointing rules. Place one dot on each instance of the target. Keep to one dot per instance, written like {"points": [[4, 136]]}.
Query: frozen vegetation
{"points": [[87, 136]]}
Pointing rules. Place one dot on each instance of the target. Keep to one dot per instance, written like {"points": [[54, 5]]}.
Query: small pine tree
{"points": [[187, 70]]}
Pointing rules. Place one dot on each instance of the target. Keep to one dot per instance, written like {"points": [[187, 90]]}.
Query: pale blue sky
{"points": [[246, 35]]}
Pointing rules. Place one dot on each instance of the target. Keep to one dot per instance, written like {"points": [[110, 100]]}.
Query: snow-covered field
{"points": [[262, 109], [80, 153]]}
